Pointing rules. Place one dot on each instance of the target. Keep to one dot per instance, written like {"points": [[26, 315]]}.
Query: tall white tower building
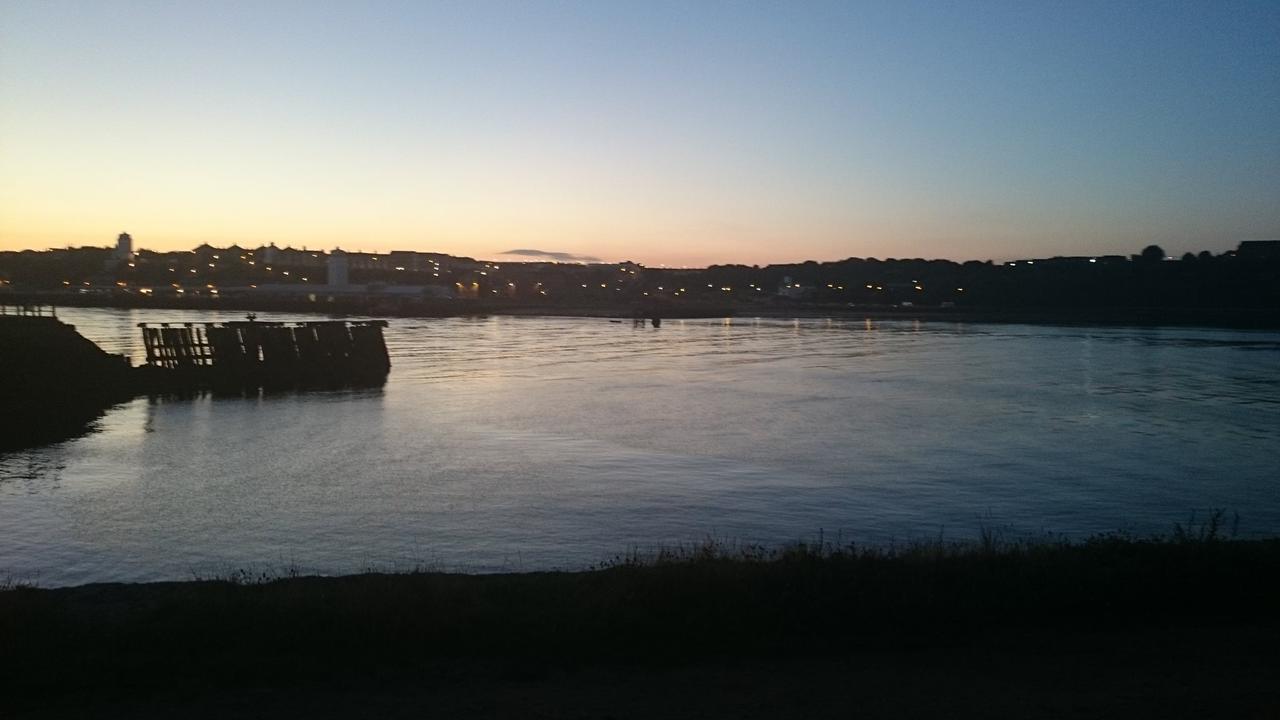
{"points": [[124, 247]]}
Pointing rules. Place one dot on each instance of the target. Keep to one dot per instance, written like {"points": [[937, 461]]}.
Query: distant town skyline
{"points": [[663, 133]]}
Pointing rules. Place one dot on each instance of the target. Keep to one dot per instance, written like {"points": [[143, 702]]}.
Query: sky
{"points": [[678, 133]]}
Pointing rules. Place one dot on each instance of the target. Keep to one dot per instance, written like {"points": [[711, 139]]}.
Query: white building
{"points": [[124, 247], [338, 269]]}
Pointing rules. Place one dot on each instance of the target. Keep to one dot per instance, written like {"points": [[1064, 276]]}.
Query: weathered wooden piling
{"points": [[252, 354]]}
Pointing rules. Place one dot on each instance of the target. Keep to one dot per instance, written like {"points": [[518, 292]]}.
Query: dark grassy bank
{"points": [[1169, 611]]}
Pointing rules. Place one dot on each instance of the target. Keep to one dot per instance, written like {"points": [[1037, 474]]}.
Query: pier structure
{"points": [[253, 354], [48, 311], [54, 382]]}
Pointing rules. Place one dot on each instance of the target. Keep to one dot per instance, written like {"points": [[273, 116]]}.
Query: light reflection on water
{"points": [[526, 443]]}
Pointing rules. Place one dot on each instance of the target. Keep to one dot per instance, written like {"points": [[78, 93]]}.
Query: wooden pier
{"points": [[7, 310], [253, 354]]}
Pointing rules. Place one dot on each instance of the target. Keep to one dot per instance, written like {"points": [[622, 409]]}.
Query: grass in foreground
{"points": [[704, 604]]}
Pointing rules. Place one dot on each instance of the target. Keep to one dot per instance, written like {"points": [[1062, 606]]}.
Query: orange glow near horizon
{"points": [[726, 134]]}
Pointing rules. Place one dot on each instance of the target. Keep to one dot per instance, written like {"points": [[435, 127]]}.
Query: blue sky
{"points": [[679, 133]]}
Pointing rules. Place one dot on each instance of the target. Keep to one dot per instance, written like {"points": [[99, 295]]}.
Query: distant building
{"points": [[412, 261], [1259, 250], [293, 258], [365, 261], [124, 247], [794, 290], [338, 269]]}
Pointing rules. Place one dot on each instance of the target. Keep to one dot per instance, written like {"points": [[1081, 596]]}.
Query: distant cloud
{"points": [[550, 255]]}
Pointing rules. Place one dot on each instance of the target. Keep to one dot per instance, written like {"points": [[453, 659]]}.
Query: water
{"points": [[530, 443]]}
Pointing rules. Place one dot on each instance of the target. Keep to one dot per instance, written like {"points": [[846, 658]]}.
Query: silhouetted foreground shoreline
{"points": [[1111, 627]]}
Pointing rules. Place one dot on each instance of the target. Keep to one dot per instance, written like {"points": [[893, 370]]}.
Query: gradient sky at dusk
{"points": [[678, 133]]}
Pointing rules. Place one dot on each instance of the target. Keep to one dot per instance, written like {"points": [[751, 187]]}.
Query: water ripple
{"points": [[561, 441]]}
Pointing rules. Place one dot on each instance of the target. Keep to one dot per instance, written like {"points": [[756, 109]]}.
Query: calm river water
{"points": [[509, 443]]}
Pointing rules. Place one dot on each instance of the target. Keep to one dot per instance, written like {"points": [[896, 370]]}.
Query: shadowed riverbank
{"points": [[53, 382], [1109, 627], [1251, 318]]}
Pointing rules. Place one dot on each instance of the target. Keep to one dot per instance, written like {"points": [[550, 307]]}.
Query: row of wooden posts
{"points": [[255, 353]]}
